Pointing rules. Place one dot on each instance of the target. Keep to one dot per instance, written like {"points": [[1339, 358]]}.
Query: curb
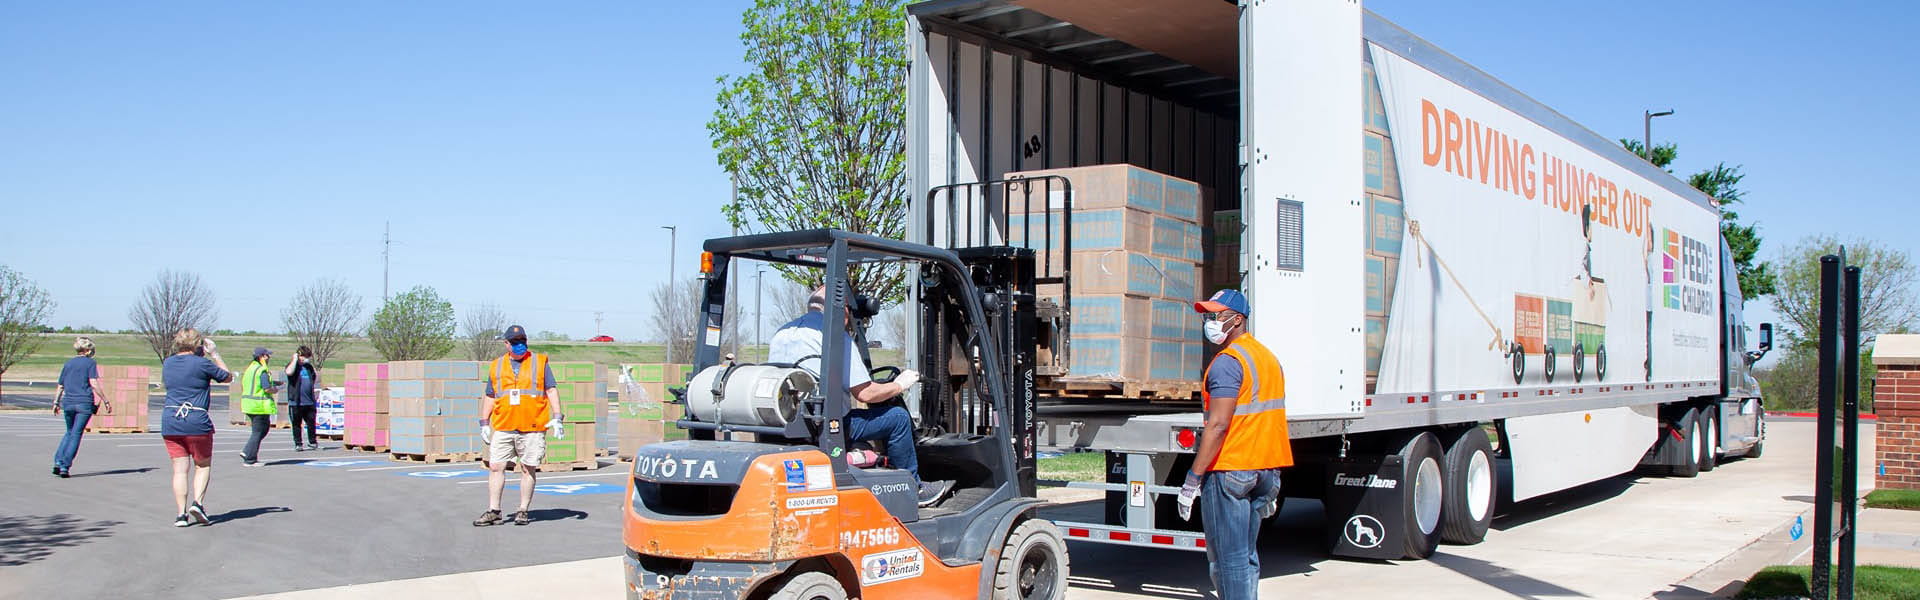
{"points": [[1808, 415], [1725, 577]]}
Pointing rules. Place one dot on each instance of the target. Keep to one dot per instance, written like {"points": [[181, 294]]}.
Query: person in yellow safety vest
{"points": [[256, 401], [521, 405], [1242, 447]]}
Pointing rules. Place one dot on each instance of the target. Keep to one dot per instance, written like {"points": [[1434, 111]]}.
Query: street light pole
{"points": [[1647, 123], [673, 245], [759, 320]]}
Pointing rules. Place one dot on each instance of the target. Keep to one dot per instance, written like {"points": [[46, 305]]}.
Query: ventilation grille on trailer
{"points": [[1289, 254]]}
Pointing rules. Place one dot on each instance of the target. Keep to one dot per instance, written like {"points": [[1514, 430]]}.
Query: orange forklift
{"points": [[762, 501]]}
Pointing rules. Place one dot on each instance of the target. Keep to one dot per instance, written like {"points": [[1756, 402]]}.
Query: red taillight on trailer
{"points": [[1185, 439]]}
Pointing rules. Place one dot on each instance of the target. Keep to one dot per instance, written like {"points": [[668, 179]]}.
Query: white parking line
{"points": [[514, 478], [418, 466]]}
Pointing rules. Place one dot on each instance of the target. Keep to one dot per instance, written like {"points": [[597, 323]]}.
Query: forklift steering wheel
{"points": [[884, 374]]}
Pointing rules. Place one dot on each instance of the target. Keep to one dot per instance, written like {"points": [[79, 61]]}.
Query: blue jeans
{"points": [[70, 443], [1230, 504], [889, 424]]}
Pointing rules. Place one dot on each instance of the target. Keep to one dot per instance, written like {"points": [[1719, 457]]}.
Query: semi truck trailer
{"points": [[1474, 298]]}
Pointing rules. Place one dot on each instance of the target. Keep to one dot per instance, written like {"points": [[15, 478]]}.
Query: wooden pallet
{"points": [[584, 465], [116, 430], [333, 436], [1153, 391], [364, 447], [438, 458]]}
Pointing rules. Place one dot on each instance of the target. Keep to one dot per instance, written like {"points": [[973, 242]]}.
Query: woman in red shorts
{"points": [[184, 422]]}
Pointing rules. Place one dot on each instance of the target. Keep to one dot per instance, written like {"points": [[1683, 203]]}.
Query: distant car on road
{"points": [[601, 338]]}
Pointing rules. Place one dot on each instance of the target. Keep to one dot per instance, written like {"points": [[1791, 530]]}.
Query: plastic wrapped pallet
{"points": [[365, 404], [125, 390], [434, 407], [330, 411]]}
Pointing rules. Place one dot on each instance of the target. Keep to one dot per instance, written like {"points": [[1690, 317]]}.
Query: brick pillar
{"points": [[1896, 402]]}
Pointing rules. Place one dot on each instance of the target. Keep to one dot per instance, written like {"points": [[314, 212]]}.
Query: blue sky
{"points": [[527, 155]]}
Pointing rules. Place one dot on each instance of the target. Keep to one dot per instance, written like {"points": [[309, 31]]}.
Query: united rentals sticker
{"points": [[891, 566]]}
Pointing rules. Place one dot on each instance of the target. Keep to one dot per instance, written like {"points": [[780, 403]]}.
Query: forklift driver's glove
{"points": [[907, 379], [1188, 491]]}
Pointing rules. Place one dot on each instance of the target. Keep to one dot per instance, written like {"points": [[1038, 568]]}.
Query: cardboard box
{"points": [[1173, 320], [1380, 275], [577, 372], [1097, 186], [1175, 361], [1180, 280], [582, 402], [140, 373], [1110, 357], [1116, 272], [366, 371], [1117, 315], [437, 369], [435, 388], [1385, 224], [1382, 171], [413, 426]]}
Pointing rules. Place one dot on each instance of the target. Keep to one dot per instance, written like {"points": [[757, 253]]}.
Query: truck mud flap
{"points": [[1366, 507]]}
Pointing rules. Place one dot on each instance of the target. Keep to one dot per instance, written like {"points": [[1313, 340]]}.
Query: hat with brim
{"points": [[1223, 300]]}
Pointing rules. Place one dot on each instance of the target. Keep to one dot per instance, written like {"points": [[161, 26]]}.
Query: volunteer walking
{"points": [[1236, 469], [520, 406], [256, 401], [184, 425], [76, 398]]}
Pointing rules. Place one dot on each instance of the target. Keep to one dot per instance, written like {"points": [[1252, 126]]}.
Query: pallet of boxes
{"points": [[125, 392], [646, 412], [1138, 243], [330, 416], [581, 388], [366, 402], [434, 410]]}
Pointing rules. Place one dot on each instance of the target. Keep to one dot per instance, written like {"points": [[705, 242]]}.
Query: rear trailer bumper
{"points": [[661, 578]]}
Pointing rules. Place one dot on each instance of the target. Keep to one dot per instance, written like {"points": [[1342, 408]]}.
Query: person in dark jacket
{"points": [[302, 406]]}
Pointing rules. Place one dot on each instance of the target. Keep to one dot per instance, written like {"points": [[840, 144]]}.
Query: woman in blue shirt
{"points": [[184, 425], [76, 397]]}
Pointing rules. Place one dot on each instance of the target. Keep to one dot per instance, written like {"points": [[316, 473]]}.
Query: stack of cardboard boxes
{"points": [[366, 406], [582, 391], [1386, 221], [646, 411], [330, 416], [125, 391], [434, 408], [1138, 243]]}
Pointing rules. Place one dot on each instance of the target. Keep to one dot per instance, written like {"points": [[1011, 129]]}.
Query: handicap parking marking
{"points": [[573, 489], [446, 474], [329, 464]]}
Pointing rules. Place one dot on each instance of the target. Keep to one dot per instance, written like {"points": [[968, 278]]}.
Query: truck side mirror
{"points": [[1766, 337]]}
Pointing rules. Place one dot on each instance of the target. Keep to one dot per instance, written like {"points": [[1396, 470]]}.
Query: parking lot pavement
{"points": [[306, 520]]}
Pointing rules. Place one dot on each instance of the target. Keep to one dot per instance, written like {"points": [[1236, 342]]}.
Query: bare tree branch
{"points": [[175, 300], [321, 316], [24, 308], [480, 331]]}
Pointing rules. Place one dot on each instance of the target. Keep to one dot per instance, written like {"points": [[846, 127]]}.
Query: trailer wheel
{"points": [[1421, 454], [1579, 362], [810, 586], [1709, 427], [1600, 363], [1033, 565], [1547, 364], [1689, 463], [1467, 511], [1519, 362]]}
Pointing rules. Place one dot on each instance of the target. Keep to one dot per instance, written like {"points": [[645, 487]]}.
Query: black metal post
{"points": [[1819, 582], [1850, 430]]}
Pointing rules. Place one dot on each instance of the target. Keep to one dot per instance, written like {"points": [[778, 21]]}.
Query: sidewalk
{"points": [[1887, 537], [585, 579]]}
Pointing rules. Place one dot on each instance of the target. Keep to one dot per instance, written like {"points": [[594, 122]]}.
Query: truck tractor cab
{"points": [[762, 500]]}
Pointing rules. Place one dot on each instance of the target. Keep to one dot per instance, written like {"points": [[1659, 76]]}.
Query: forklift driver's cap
{"points": [[1231, 300], [515, 333]]}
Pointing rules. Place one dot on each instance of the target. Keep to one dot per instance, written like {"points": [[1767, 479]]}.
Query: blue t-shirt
{"points": [[302, 386], [78, 395], [187, 378], [1223, 377]]}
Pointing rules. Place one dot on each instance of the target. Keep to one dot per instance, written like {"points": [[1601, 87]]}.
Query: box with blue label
{"points": [[435, 388], [1119, 315], [1109, 357], [1175, 320], [1172, 361]]}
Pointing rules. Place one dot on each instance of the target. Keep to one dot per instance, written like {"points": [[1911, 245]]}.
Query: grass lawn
{"points": [[1900, 499], [119, 349], [1074, 466], [1870, 582]]}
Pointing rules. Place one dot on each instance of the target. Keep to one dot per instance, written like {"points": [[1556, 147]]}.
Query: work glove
{"points": [[1272, 505], [555, 429], [1189, 491], [907, 379], [486, 432]]}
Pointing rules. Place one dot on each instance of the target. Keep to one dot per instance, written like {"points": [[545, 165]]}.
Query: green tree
{"points": [[23, 311], [415, 325], [813, 132], [1721, 183], [1887, 276]]}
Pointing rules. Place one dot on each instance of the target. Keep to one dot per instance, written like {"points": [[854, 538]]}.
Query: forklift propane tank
{"points": [[748, 395]]}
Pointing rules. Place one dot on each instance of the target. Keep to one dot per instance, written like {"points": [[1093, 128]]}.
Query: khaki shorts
{"points": [[517, 447]]}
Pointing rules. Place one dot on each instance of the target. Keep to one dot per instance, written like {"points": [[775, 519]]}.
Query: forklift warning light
{"points": [[706, 262]]}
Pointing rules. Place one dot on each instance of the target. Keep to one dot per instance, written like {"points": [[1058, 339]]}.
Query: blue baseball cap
{"points": [[1231, 300]]}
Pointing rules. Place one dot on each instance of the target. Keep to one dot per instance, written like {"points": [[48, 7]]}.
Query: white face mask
{"points": [[1216, 331]]}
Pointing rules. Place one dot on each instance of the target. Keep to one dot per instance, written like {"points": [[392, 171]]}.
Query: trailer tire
{"points": [[1709, 428], [810, 586], [1579, 362], [1033, 565], [1425, 497], [1547, 364], [1689, 463], [1470, 481]]}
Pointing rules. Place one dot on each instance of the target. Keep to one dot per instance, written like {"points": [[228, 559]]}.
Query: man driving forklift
{"points": [[876, 417]]}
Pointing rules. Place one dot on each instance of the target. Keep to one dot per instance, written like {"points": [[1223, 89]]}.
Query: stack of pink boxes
{"points": [[367, 406], [125, 390]]}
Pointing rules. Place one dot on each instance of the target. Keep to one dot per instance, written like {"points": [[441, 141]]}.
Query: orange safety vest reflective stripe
{"points": [[532, 413], [1257, 437]]}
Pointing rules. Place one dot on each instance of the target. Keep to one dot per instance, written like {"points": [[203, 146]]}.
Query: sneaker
{"points": [[932, 491], [251, 463], [491, 517], [521, 518], [299, 448], [199, 514], [65, 473], [56, 471], [181, 521]]}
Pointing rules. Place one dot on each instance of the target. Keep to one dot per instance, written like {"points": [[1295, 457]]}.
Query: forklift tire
{"points": [[1689, 463], [1033, 565], [810, 586], [1471, 482], [1424, 499], [1709, 434]]}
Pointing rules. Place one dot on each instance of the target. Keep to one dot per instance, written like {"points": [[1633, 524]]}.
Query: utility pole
{"points": [[386, 256], [1646, 122], [673, 284], [759, 320], [599, 317]]}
